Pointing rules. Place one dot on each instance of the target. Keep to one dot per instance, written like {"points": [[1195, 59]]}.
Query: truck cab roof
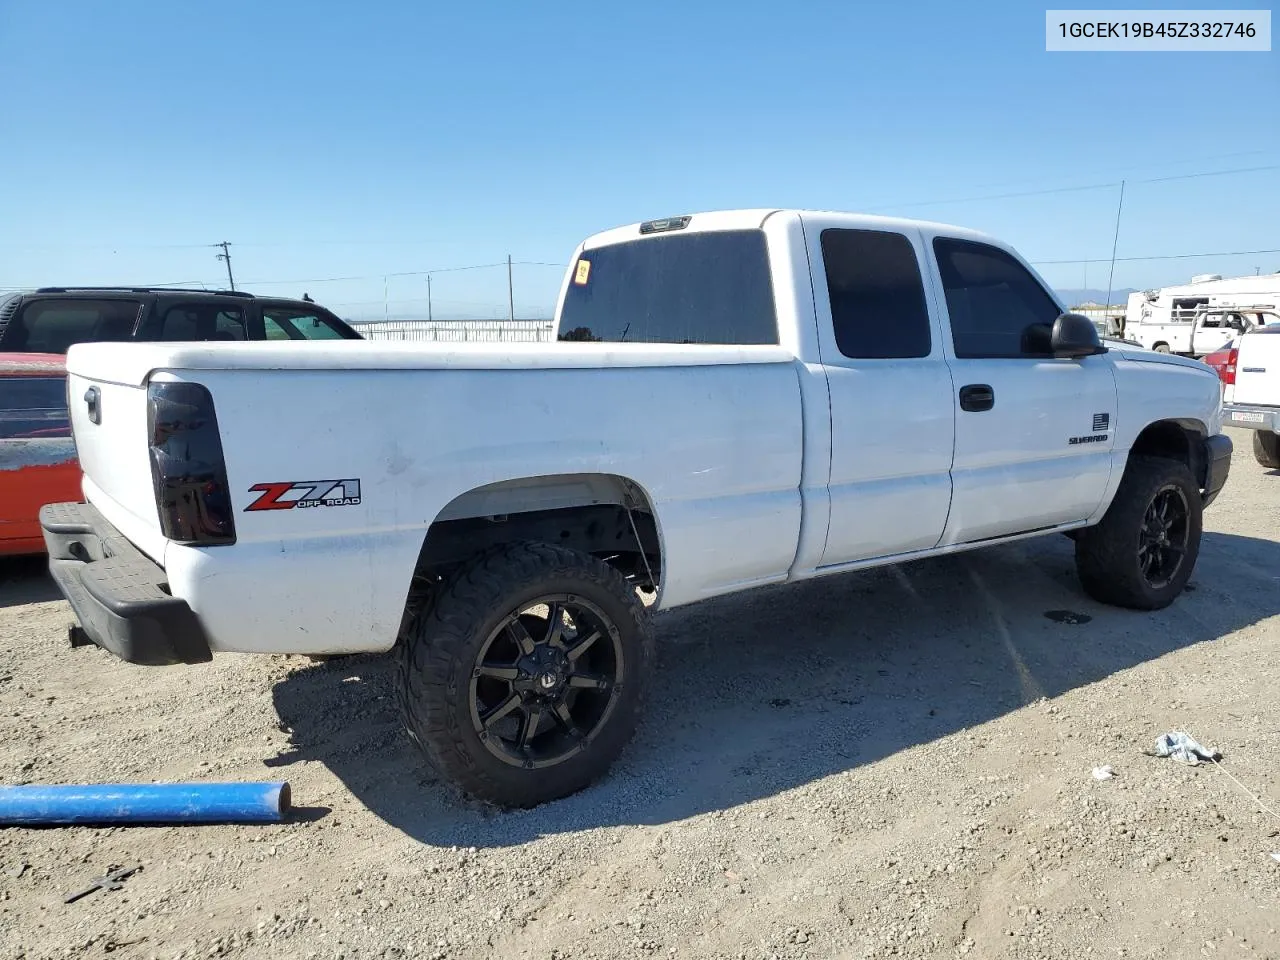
{"points": [[756, 217]]}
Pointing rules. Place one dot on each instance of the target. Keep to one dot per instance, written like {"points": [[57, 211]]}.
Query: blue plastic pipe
{"points": [[144, 803]]}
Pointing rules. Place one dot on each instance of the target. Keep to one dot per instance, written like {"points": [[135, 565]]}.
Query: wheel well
{"points": [[607, 516], [1173, 440]]}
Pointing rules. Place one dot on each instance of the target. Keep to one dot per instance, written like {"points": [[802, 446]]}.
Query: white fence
{"points": [[459, 331]]}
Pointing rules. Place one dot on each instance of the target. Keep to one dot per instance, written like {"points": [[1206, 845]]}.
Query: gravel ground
{"points": [[890, 763]]}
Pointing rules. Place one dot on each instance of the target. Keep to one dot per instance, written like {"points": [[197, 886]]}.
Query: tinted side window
{"points": [[33, 407], [52, 326], [203, 321], [997, 307], [677, 288], [229, 325], [877, 297]]}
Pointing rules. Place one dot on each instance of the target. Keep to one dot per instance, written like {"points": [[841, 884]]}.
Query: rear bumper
{"points": [[1217, 464], [120, 595], [1251, 417]]}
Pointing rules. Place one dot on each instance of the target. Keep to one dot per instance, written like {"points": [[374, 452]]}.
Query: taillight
{"points": [[187, 467], [1228, 370]]}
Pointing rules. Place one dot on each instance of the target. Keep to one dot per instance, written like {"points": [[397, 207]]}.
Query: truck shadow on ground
{"points": [[26, 580], [762, 692]]}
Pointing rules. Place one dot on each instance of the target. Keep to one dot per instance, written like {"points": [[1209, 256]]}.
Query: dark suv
{"points": [[51, 319]]}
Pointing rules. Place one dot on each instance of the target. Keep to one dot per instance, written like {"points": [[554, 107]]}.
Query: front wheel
{"points": [[1266, 449], [1143, 551], [522, 680]]}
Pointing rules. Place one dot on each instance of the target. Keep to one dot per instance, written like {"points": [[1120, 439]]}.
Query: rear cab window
{"points": [[878, 307], [713, 287], [54, 325]]}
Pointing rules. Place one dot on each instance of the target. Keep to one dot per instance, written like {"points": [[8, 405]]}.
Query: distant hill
{"points": [[1076, 296]]}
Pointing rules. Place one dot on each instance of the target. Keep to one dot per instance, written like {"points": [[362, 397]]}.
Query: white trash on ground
{"points": [[1183, 748], [1103, 773]]}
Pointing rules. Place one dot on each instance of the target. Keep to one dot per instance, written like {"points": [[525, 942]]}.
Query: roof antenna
{"points": [[1114, 242]]}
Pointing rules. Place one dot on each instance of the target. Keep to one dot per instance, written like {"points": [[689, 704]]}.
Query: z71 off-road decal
{"points": [[289, 494]]}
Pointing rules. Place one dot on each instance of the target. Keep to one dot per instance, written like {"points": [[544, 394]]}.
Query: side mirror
{"points": [[1074, 337]]}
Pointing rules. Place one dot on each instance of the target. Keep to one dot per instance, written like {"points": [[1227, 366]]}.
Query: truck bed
{"points": [[714, 436], [131, 363]]}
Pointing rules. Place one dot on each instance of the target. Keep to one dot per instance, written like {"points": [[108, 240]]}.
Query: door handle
{"points": [[977, 397], [93, 400]]}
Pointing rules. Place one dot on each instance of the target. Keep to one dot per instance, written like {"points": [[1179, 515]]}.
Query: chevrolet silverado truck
{"points": [[1255, 403], [736, 399]]}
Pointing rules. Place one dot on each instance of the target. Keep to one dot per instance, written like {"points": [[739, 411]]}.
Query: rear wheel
{"points": [[1143, 552], [1266, 449], [523, 680], [1161, 348]]}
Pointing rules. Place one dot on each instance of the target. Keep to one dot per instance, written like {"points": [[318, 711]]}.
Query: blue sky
{"points": [[359, 140]]}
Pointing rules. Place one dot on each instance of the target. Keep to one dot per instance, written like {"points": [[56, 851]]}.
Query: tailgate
{"points": [[109, 423], [1258, 367]]}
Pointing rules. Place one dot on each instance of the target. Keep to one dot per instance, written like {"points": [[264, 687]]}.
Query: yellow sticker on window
{"points": [[583, 271]]}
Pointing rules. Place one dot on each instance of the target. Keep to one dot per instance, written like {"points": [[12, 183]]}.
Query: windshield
{"points": [[288, 323]]}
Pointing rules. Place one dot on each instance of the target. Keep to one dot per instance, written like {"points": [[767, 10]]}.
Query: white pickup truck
{"points": [[757, 397], [1255, 402]]}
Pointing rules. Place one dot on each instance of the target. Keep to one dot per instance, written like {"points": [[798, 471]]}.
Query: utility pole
{"points": [[511, 297], [429, 318], [226, 255]]}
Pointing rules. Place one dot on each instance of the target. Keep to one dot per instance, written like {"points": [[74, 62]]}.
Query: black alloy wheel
{"points": [[1162, 542], [546, 680], [522, 676], [1143, 551]]}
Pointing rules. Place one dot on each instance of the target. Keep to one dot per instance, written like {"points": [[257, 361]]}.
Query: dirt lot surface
{"points": [[891, 763]]}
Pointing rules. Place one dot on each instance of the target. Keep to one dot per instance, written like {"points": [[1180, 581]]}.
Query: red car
{"points": [[37, 455]]}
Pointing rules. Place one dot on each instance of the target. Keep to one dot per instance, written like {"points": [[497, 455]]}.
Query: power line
{"points": [[376, 242], [997, 196], [370, 276], [1162, 256], [1209, 173], [27, 244], [407, 273], [1127, 171], [1091, 186], [370, 303]]}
